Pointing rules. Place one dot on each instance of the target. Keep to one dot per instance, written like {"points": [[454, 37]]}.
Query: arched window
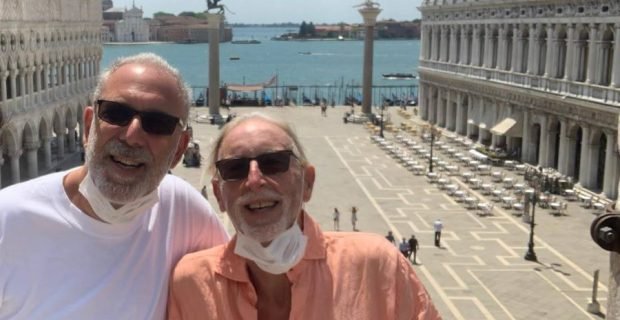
{"points": [[494, 48], [607, 54], [525, 50], [509, 39], [561, 54], [582, 55], [480, 58], [542, 52]]}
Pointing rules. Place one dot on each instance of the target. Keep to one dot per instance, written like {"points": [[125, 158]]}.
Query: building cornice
{"points": [[605, 11]]}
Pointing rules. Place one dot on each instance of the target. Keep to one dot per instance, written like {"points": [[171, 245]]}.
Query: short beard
{"points": [[120, 193]]}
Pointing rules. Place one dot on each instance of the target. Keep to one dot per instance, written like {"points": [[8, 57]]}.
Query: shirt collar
{"points": [[234, 267]]}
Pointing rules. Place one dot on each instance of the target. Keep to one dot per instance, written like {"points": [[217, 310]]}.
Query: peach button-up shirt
{"points": [[341, 276]]}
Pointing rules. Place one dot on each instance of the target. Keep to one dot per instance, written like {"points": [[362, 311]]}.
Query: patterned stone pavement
{"points": [[479, 273]]}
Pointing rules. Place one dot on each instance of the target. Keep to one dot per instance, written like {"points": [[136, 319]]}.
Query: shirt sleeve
{"points": [[412, 300]]}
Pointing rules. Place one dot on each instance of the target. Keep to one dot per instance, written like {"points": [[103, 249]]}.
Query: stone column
{"points": [[60, 140], [213, 27], [475, 51], [517, 47], [15, 171], [369, 13], [611, 159], [564, 141], [593, 53], [31, 159], [615, 75], [449, 112], [441, 108], [443, 47], [47, 153], [550, 57], [3, 76], [584, 165], [436, 37], [422, 103], [453, 40], [432, 107], [502, 51], [465, 44], [571, 45], [488, 52], [543, 150], [423, 43], [532, 65], [525, 141], [13, 76], [459, 114], [72, 140]]}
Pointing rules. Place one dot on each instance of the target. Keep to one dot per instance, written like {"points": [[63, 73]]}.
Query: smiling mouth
{"points": [[263, 205], [127, 162]]}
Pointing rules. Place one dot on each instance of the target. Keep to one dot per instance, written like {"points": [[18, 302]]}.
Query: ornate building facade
{"points": [[538, 78], [49, 61], [125, 25]]}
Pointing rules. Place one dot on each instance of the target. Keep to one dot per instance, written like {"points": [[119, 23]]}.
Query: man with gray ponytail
{"points": [[99, 241], [280, 264]]}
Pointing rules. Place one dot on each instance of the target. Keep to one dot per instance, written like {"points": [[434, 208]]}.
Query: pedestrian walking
{"points": [[438, 226], [323, 109], [413, 248], [404, 247], [354, 217], [390, 238], [336, 219]]}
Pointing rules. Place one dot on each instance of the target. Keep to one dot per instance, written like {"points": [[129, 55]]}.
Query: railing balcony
{"points": [[587, 91]]}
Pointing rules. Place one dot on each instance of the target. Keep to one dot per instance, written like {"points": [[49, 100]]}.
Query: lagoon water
{"points": [[295, 62]]}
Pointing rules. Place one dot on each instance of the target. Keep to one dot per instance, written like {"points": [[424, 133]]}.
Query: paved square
{"points": [[479, 273]]}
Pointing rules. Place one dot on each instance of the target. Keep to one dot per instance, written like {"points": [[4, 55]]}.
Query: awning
{"points": [[508, 127], [503, 126], [477, 155], [251, 87]]}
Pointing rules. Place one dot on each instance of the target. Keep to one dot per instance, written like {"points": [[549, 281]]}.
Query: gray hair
{"points": [[298, 149], [150, 59]]}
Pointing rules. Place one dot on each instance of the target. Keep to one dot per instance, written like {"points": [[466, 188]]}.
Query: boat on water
{"points": [[399, 76], [304, 53], [245, 41], [234, 58]]}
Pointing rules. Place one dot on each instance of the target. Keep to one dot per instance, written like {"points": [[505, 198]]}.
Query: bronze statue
{"points": [[368, 4], [213, 4]]}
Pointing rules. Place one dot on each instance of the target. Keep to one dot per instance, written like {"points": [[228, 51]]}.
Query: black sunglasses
{"points": [[269, 163], [121, 114]]}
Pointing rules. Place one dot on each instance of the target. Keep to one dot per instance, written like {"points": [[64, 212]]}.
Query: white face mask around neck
{"points": [[283, 253], [104, 209]]}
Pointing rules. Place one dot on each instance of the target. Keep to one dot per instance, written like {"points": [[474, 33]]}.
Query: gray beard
{"points": [[116, 192]]}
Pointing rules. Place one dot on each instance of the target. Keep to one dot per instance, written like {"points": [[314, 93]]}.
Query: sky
{"points": [[276, 11]]}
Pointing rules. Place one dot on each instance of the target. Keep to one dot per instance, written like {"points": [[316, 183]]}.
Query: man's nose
{"points": [[255, 177], [134, 135]]}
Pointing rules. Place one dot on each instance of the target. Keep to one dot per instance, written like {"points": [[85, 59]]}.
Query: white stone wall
{"points": [[133, 28], [49, 62]]}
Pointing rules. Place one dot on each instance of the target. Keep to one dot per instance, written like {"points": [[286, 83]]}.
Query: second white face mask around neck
{"points": [[283, 253], [104, 209]]}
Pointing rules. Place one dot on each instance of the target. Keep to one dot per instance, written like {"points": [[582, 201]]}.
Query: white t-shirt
{"points": [[438, 225], [58, 263]]}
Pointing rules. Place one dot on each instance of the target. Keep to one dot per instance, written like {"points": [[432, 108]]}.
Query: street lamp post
{"points": [[530, 255], [381, 128], [434, 133], [430, 166]]}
